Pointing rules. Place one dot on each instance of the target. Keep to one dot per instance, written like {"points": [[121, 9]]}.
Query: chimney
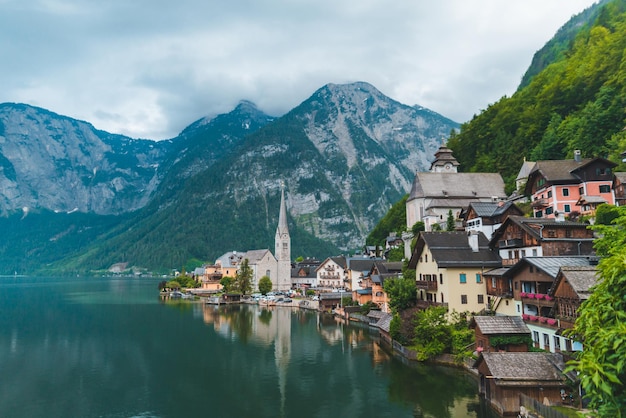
{"points": [[577, 157], [472, 238]]}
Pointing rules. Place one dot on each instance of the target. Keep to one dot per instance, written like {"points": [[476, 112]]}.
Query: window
{"points": [[546, 342], [440, 278], [581, 190], [549, 194], [425, 258], [536, 337], [538, 214], [557, 343], [463, 299], [493, 282], [481, 299], [605, 188], [534, 252], [541, 182], [567, 208], [479, 278], [565, 191], [463, 278], [549, 211]]}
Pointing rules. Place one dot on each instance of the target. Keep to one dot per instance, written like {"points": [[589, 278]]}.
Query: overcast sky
{"points": [[149, 68]]}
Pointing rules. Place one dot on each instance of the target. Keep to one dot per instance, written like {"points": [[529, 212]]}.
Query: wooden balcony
{"points": [[429, 285], [539, 203], [424, 304], [499, 293], [510, 243]]}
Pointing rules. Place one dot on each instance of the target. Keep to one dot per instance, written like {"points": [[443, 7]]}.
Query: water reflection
{"points": [[113, 348]]}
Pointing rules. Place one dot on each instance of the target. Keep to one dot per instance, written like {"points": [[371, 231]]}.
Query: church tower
{"points": [[282, 244], [444, 161]]}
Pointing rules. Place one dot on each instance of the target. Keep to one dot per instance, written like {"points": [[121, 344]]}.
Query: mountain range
{"points": [[76, 199]]}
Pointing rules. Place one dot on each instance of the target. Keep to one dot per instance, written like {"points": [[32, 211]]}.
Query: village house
{"points": [[374, 282], [487, 217], [356, 269], [561, 187], [448, 270], [533, 279], [331, 273], [303, 275], [520, 237], [619, 188], [500, 333], [504, 376], [442, 189], [572, 287]]}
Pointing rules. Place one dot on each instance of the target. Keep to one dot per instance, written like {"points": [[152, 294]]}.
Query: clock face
{"points": [[448, 166]]}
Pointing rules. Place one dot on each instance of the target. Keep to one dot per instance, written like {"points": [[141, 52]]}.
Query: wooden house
{"points": [[520, 237], [619, 188], [572, 286], [504, 376], [487, 217], [533, 282], [500, 333], [556, 187]]}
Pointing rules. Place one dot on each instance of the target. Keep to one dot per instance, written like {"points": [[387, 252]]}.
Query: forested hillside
{"points": [[576, 102]]}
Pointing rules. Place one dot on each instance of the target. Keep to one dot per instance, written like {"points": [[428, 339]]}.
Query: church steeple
{"points": [[283, 246], [444, 161]]}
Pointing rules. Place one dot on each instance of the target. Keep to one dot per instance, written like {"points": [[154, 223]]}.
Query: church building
{"points": [[443, 189]]}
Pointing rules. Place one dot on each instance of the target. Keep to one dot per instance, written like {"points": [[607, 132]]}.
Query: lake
{"points": [[113, 348]]}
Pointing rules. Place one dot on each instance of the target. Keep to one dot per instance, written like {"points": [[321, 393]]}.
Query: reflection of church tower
{"points": [[283, 247]]}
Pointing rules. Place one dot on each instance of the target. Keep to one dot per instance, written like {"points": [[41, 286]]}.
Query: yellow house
{"points": [[449, 270]]}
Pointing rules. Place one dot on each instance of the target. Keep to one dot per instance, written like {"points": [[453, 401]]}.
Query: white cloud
{"points": [[149, 68]]}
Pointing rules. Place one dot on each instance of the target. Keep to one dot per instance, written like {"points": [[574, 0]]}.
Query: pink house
{"points": [[564, 187]]}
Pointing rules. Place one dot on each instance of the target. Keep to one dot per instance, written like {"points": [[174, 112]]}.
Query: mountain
{"points": [[62, 164], [345, 154], [576, 102]]}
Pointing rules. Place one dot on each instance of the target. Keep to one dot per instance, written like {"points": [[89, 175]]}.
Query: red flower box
{"points": [[549, 298], [522, 294], [551, 321], [530, 295], [543, 320], [540, 296], [525, 317], [532, 317]]}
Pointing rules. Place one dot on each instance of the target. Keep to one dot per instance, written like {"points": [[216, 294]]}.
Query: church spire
{"points": [[282, 216], [283, 246]]}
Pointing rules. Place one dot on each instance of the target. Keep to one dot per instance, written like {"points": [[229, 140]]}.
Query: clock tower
{"points": [[444, 161], [282, 244]]}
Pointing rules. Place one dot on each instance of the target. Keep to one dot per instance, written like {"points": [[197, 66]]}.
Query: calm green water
{"points": [[112, 348]]}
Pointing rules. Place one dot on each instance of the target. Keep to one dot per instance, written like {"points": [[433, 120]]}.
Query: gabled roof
{"points": [[551, 265], [383, 322], [562, 171], [457, 185], [360, 264], [339, 260], [497, 325], [524, 369], [580, 278], [254, 256], [452, 249], [492, 209], [535, 226]]}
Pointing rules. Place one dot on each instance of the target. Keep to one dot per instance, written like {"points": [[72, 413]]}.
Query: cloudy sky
{"points": [[149, 68]]}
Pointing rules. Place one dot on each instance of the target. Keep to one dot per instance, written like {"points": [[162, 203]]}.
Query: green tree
{"points": [[401, 292], [265, 285], [396, 254], [433, 334], [227, 283], [243, 278], [450, 223], [605, 214], [601, 325]]}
